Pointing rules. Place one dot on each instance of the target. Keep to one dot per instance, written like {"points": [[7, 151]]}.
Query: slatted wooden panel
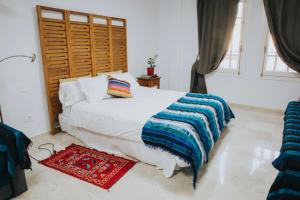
{"points": [[119, 45], [53, 37], [101, 45], [80, 46], [72, 48]]}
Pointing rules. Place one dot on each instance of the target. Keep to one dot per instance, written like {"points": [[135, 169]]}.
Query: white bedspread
{"points": [[122, 117]]}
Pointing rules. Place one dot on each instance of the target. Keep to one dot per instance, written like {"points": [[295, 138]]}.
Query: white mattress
{"points": [[162, 160], [122, 117], [115, 125]]}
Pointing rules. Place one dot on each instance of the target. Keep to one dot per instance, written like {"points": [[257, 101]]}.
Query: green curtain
{"points": [[284, 23], [216, 19]]}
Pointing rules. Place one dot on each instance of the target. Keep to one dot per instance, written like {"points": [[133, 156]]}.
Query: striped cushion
{"points": [[286, 186], [118, 88]]}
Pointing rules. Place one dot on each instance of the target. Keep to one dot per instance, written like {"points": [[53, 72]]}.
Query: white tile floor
{"points": [[239, 168]]}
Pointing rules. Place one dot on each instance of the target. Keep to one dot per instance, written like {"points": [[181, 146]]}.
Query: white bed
{"points": [[115, 125]]}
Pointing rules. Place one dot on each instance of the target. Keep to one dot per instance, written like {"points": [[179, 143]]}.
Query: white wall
{"points": [[178, 49], [22, 91]]}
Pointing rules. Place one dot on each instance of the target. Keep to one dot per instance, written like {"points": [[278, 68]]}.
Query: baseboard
{"points": [[38, 134], [278, 111]]}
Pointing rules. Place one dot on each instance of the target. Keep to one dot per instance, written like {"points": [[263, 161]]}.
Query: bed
{"points": [[122, 125]]}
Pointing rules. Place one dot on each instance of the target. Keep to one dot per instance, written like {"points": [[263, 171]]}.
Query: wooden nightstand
{"points": [[152, 82]]}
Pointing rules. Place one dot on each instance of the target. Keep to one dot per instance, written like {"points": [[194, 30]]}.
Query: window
{"points": [[273, 65], [231, 62]]}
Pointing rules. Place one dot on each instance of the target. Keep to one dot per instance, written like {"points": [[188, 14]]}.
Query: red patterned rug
{"points": [[96, 167]]}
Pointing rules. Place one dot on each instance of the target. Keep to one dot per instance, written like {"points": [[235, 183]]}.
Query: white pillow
{"points": [[94, 88], [70, 93], [109, 73], [66, 110], [127, 77]]}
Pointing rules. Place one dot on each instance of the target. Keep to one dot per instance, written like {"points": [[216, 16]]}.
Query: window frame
{"points": [[237, 71], [276, 74]]}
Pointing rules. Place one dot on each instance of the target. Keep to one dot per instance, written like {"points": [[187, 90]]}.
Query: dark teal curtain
{"points": [[284, 23], [216, 19]]}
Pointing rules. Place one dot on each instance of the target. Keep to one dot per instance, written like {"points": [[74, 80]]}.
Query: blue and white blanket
{"points": [[189, 128]]}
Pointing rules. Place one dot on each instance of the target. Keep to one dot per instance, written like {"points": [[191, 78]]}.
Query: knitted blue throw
{"points": [[189, 128]]}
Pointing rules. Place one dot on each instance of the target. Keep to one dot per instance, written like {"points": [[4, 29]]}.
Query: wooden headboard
{"points": [[76, 44]]}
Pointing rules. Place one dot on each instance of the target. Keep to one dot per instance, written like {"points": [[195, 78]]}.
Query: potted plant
{"points": [[151, 62]]}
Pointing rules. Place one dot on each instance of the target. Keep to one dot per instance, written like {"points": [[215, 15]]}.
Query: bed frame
{"points": [[76, 44]]}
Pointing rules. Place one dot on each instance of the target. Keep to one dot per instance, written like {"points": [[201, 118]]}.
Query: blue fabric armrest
{"points": [[286, 186], [289, 158], [287, 183]]}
